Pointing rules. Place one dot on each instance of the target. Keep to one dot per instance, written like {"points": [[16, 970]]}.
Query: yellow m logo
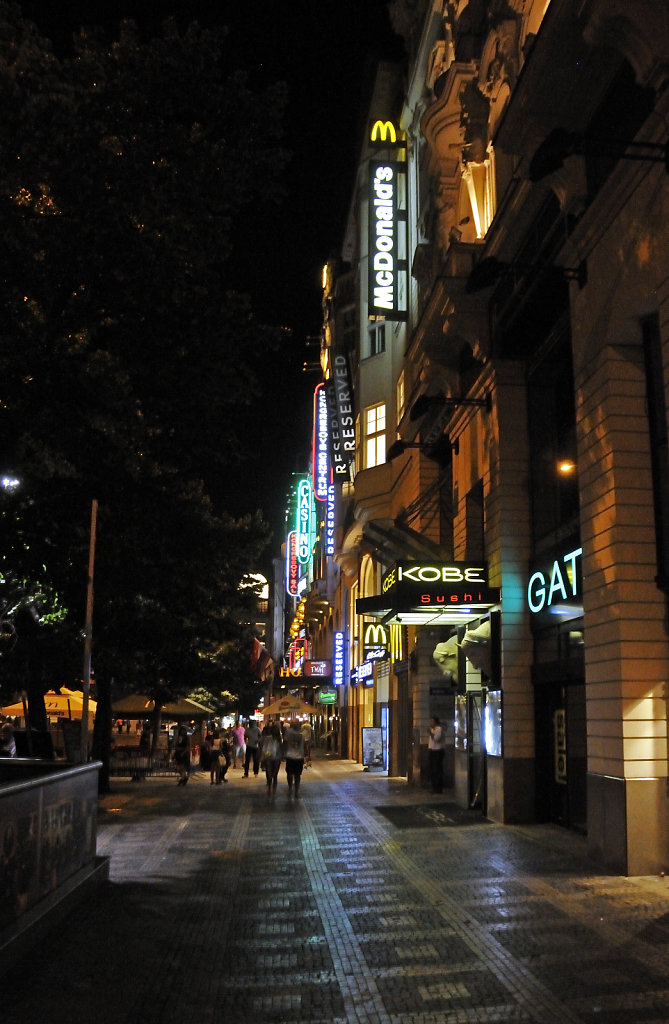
{"points": [[375, 635], [383, 131]]}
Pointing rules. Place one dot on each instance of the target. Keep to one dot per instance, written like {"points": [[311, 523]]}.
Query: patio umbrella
{"points": [[140, 705], [66, 704], [286, 706]]}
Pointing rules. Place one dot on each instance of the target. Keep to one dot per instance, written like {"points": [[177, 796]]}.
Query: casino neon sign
{"points": [[304, 520]]}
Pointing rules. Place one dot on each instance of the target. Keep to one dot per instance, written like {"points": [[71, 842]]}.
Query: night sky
{"points": [[326, 52]]}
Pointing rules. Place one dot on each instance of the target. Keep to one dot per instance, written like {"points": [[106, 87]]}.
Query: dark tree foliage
{"points": [[125, 357]]}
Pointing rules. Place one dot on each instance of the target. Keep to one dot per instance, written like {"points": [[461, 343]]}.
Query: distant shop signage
{"points": [[327, 695], [339, 659], [363, 674], [304, 525], [321, 444], [292, 567], [330, 520], [341, 416], [318, 668]]}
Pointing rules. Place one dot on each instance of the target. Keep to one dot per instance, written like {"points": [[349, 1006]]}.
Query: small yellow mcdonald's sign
{"points": [[375, 635], [383, 131]]}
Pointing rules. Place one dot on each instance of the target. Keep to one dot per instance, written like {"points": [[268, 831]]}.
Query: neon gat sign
{"points": [[559, 583]]}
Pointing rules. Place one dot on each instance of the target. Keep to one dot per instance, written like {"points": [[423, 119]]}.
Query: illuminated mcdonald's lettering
{"points": [[383, 131]]}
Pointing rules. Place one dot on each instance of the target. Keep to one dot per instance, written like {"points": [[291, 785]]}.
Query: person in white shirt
{"points": [[435, 754], [293, 742]]}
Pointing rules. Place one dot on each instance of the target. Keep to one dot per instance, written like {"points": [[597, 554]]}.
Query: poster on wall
{"points": [[372, 748]]}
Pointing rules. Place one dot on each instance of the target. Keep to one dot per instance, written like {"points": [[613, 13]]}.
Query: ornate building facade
{"points": [[500, 314]]}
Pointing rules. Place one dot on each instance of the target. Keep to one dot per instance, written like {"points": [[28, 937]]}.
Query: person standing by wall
{"points": [[435, 753]]}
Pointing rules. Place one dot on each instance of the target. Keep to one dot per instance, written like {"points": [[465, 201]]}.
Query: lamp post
{"points": [[88, 634]]}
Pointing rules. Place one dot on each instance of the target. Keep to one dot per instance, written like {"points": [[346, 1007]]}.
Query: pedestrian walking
{"points": [[223, 758], [270, 755], [435, 754], [238, 749], [252, 740], [214, 755], [182, 755], [307, 734], [293, 743]]}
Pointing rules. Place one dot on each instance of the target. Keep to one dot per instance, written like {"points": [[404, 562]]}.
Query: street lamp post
{"points": [[88, 634]]}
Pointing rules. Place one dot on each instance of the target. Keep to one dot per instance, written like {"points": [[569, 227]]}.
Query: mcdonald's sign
{"points": [[383, 132], [375, 641]]}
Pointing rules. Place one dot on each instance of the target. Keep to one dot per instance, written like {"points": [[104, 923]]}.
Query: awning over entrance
{"points": [[431, 594]]}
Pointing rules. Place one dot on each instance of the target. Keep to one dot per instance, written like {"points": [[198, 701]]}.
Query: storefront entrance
{"points": [[560, 750]]}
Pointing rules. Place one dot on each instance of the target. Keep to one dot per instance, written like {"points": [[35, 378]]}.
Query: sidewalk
{"points": [[363, 901]]}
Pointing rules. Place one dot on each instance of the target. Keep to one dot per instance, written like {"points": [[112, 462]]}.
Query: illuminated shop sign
{"points": [[556, 586], [383, 132], [363, 673], [296, 653], [330, 521], [321, 444], [384, 268], [423, 584], [339, 391], [322, 669], [304, 524], [375, 641], [292, 568], [338, 660]]}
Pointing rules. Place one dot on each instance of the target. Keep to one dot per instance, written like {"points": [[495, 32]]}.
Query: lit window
{"points": [[375, 435]]}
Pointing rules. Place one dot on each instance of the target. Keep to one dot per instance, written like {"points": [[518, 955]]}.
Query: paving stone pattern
{"points": [[224, 905]]}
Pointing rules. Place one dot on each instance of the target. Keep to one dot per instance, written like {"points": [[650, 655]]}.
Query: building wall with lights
{"points": [[524, 379]]}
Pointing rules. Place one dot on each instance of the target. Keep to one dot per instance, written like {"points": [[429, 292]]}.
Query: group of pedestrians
{"points": [[249, 748]]}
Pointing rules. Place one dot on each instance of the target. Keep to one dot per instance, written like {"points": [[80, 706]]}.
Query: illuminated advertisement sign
{"points": [[363, 673], [330, 521], [383, 132], [339, 393], [375, 641], [384, 225], [296, 653], [304, 524], [318, 668], [292, 568], [339, 660], [321, 444], [556, 588], [422, 584]]}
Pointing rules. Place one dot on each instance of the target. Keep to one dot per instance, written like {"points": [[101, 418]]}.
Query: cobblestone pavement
{"points": [[224, 905]]}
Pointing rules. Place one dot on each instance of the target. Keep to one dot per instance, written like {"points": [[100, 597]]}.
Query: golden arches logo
{"points": [[375, 635], [383, 131]]}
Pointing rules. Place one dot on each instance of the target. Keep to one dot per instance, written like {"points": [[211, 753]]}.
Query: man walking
{"points": [[252, 739]]}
